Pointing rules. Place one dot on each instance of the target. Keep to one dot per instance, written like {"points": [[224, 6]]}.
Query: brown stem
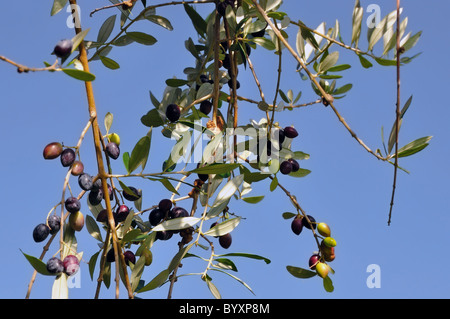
{"points": [[216, 91], [397, 113], [101, 169], [173, 278], [23, 68]]}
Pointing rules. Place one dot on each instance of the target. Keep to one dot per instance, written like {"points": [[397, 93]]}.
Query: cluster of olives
{"points": [[69, 265], [289, 165], [51, 226], [128, 255], [66, 155], [165, 211], [317, 261]]}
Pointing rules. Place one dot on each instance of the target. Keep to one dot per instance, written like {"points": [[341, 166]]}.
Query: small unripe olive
{"points": [[322, 269], [323, 229], [329, 241], [114, 138]]}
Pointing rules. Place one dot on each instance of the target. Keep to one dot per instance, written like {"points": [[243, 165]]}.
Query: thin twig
{"points": [[397, 111], [23, 68], [313, 79]]}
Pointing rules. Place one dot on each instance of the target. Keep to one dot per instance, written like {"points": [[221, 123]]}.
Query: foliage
{"points": [[236, 156]]}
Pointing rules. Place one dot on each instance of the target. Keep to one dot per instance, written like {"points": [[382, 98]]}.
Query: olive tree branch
{"points": [[101, 169], [397, 113], [141, 15], [277, 88], [23, 68], [327, 97]]}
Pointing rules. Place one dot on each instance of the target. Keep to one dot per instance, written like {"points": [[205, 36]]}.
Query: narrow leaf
{"points": [[253, 200], [229, 189], [223, 228], [198, 22], [300, 272], [58, 5], [142, 38], [329, 61], [216, 168], [414, 146], [215, 292], [161, 21], [108, 121], [60, 289], [79, 75], [177, 223], [364, 62], [245, 255], [93, 228], [328, 284], [139, 155], [109, 63], [106, 29], [37, 264], [157, 281]]}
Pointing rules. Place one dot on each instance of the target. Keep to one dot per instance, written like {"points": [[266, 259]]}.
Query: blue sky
{"points": [[348, 188]]}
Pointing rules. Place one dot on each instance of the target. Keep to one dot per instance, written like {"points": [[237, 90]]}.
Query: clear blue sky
{"points": [[348, 188]]}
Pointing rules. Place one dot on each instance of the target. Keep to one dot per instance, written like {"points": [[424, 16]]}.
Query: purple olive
{"points": [[173, 112], [295, 164], [55, 266], [71, 265], [40, 232], [129, 257], [290, 132], [54, 222], [225, 241], [285, 167], [156, 216], [63, 48], [72, 204], [297, 225], [113, 150], [165, 205], [177, 212], [67, 157]]}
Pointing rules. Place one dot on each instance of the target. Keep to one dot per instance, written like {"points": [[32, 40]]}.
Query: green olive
{"points": [[324, 229], [115, 138], [322, 269], [329, 241]]}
